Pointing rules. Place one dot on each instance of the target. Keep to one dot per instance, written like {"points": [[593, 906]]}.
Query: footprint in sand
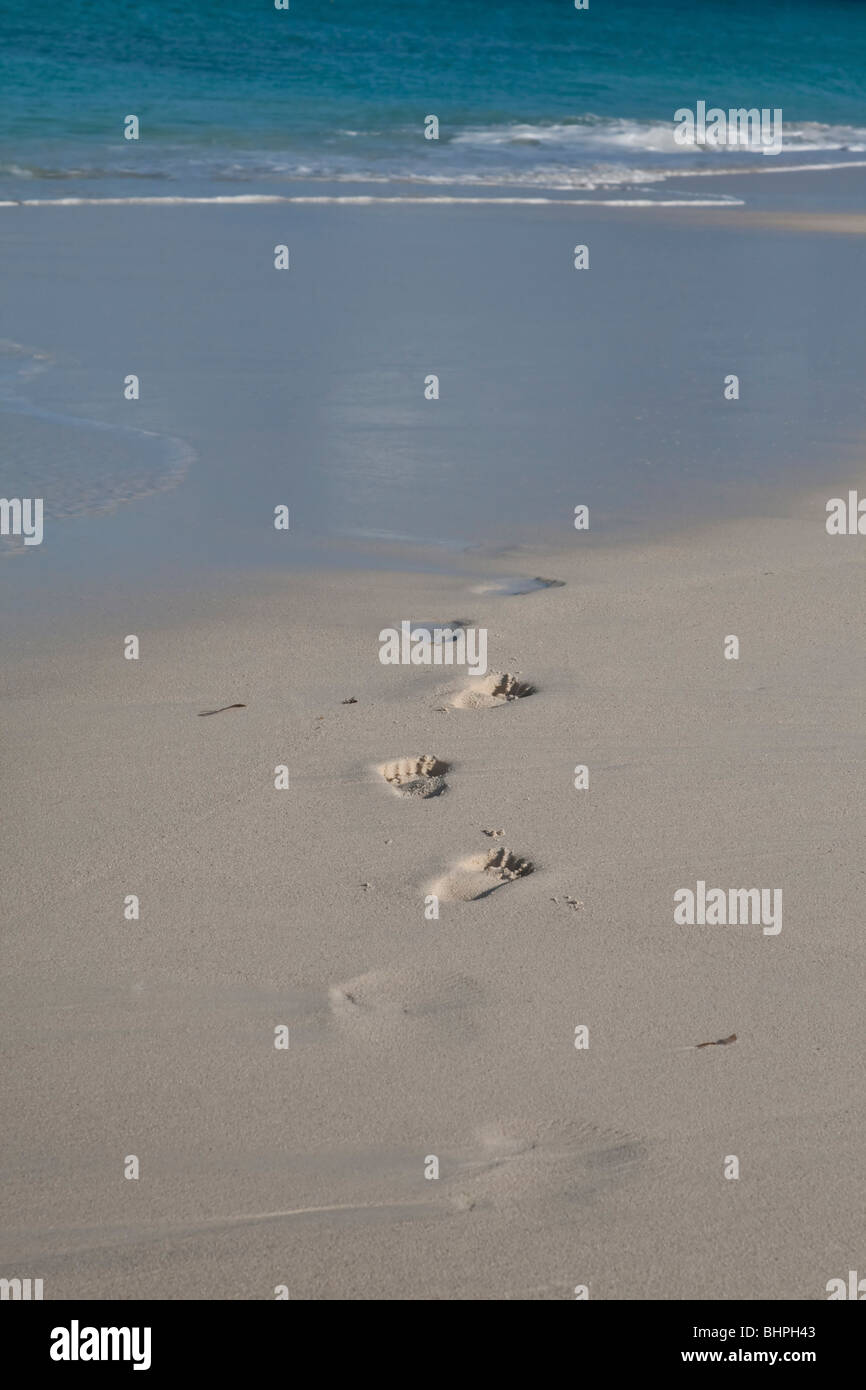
{"points": [[496, 689], [384, 1002], [563, 1161], [424, 776], [480, 875], [512, 586]]}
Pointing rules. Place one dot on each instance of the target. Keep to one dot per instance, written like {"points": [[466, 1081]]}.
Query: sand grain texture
{"points": [[453, 1037]]}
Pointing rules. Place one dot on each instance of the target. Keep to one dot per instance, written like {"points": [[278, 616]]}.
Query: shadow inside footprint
{"points": [[419, 777], [481, 874], [498, 688]]}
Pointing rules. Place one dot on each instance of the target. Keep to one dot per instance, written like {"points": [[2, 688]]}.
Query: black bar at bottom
{"points": [[162, 1339]]}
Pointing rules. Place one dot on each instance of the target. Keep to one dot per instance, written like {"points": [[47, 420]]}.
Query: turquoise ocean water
{"points": [[234, 95]]}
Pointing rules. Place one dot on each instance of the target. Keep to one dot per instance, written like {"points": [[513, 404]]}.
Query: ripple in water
{"points": [[78, 466]]}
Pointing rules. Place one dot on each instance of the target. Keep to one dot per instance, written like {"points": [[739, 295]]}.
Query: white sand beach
{"points": [[410, 1038]]}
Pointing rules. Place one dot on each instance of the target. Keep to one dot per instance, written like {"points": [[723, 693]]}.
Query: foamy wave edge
{"points": [[365, 199], [179, 454]]}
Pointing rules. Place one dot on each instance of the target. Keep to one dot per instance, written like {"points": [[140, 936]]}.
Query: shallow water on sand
{"points": [[558, 388]]}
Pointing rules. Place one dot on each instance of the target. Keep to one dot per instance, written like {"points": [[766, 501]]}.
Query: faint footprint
{"points": [[405, 1001], [562, 1161], [481, 874], [496, 689], [514, 585], [424, 776]]}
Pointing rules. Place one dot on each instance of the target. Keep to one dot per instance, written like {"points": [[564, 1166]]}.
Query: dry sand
{"points": [[455, 1038]]}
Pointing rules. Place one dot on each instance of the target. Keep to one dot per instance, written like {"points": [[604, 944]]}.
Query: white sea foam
{"points": [[367, 199], [587, 154], [653, 137], [770, 169]]}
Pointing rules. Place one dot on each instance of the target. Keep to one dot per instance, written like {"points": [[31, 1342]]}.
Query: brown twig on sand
{"points": [[720, 1042], [203, 712]]}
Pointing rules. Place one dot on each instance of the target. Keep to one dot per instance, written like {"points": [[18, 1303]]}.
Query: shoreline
{"points": [[407, 560], [737, 187], [334, 423]]}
